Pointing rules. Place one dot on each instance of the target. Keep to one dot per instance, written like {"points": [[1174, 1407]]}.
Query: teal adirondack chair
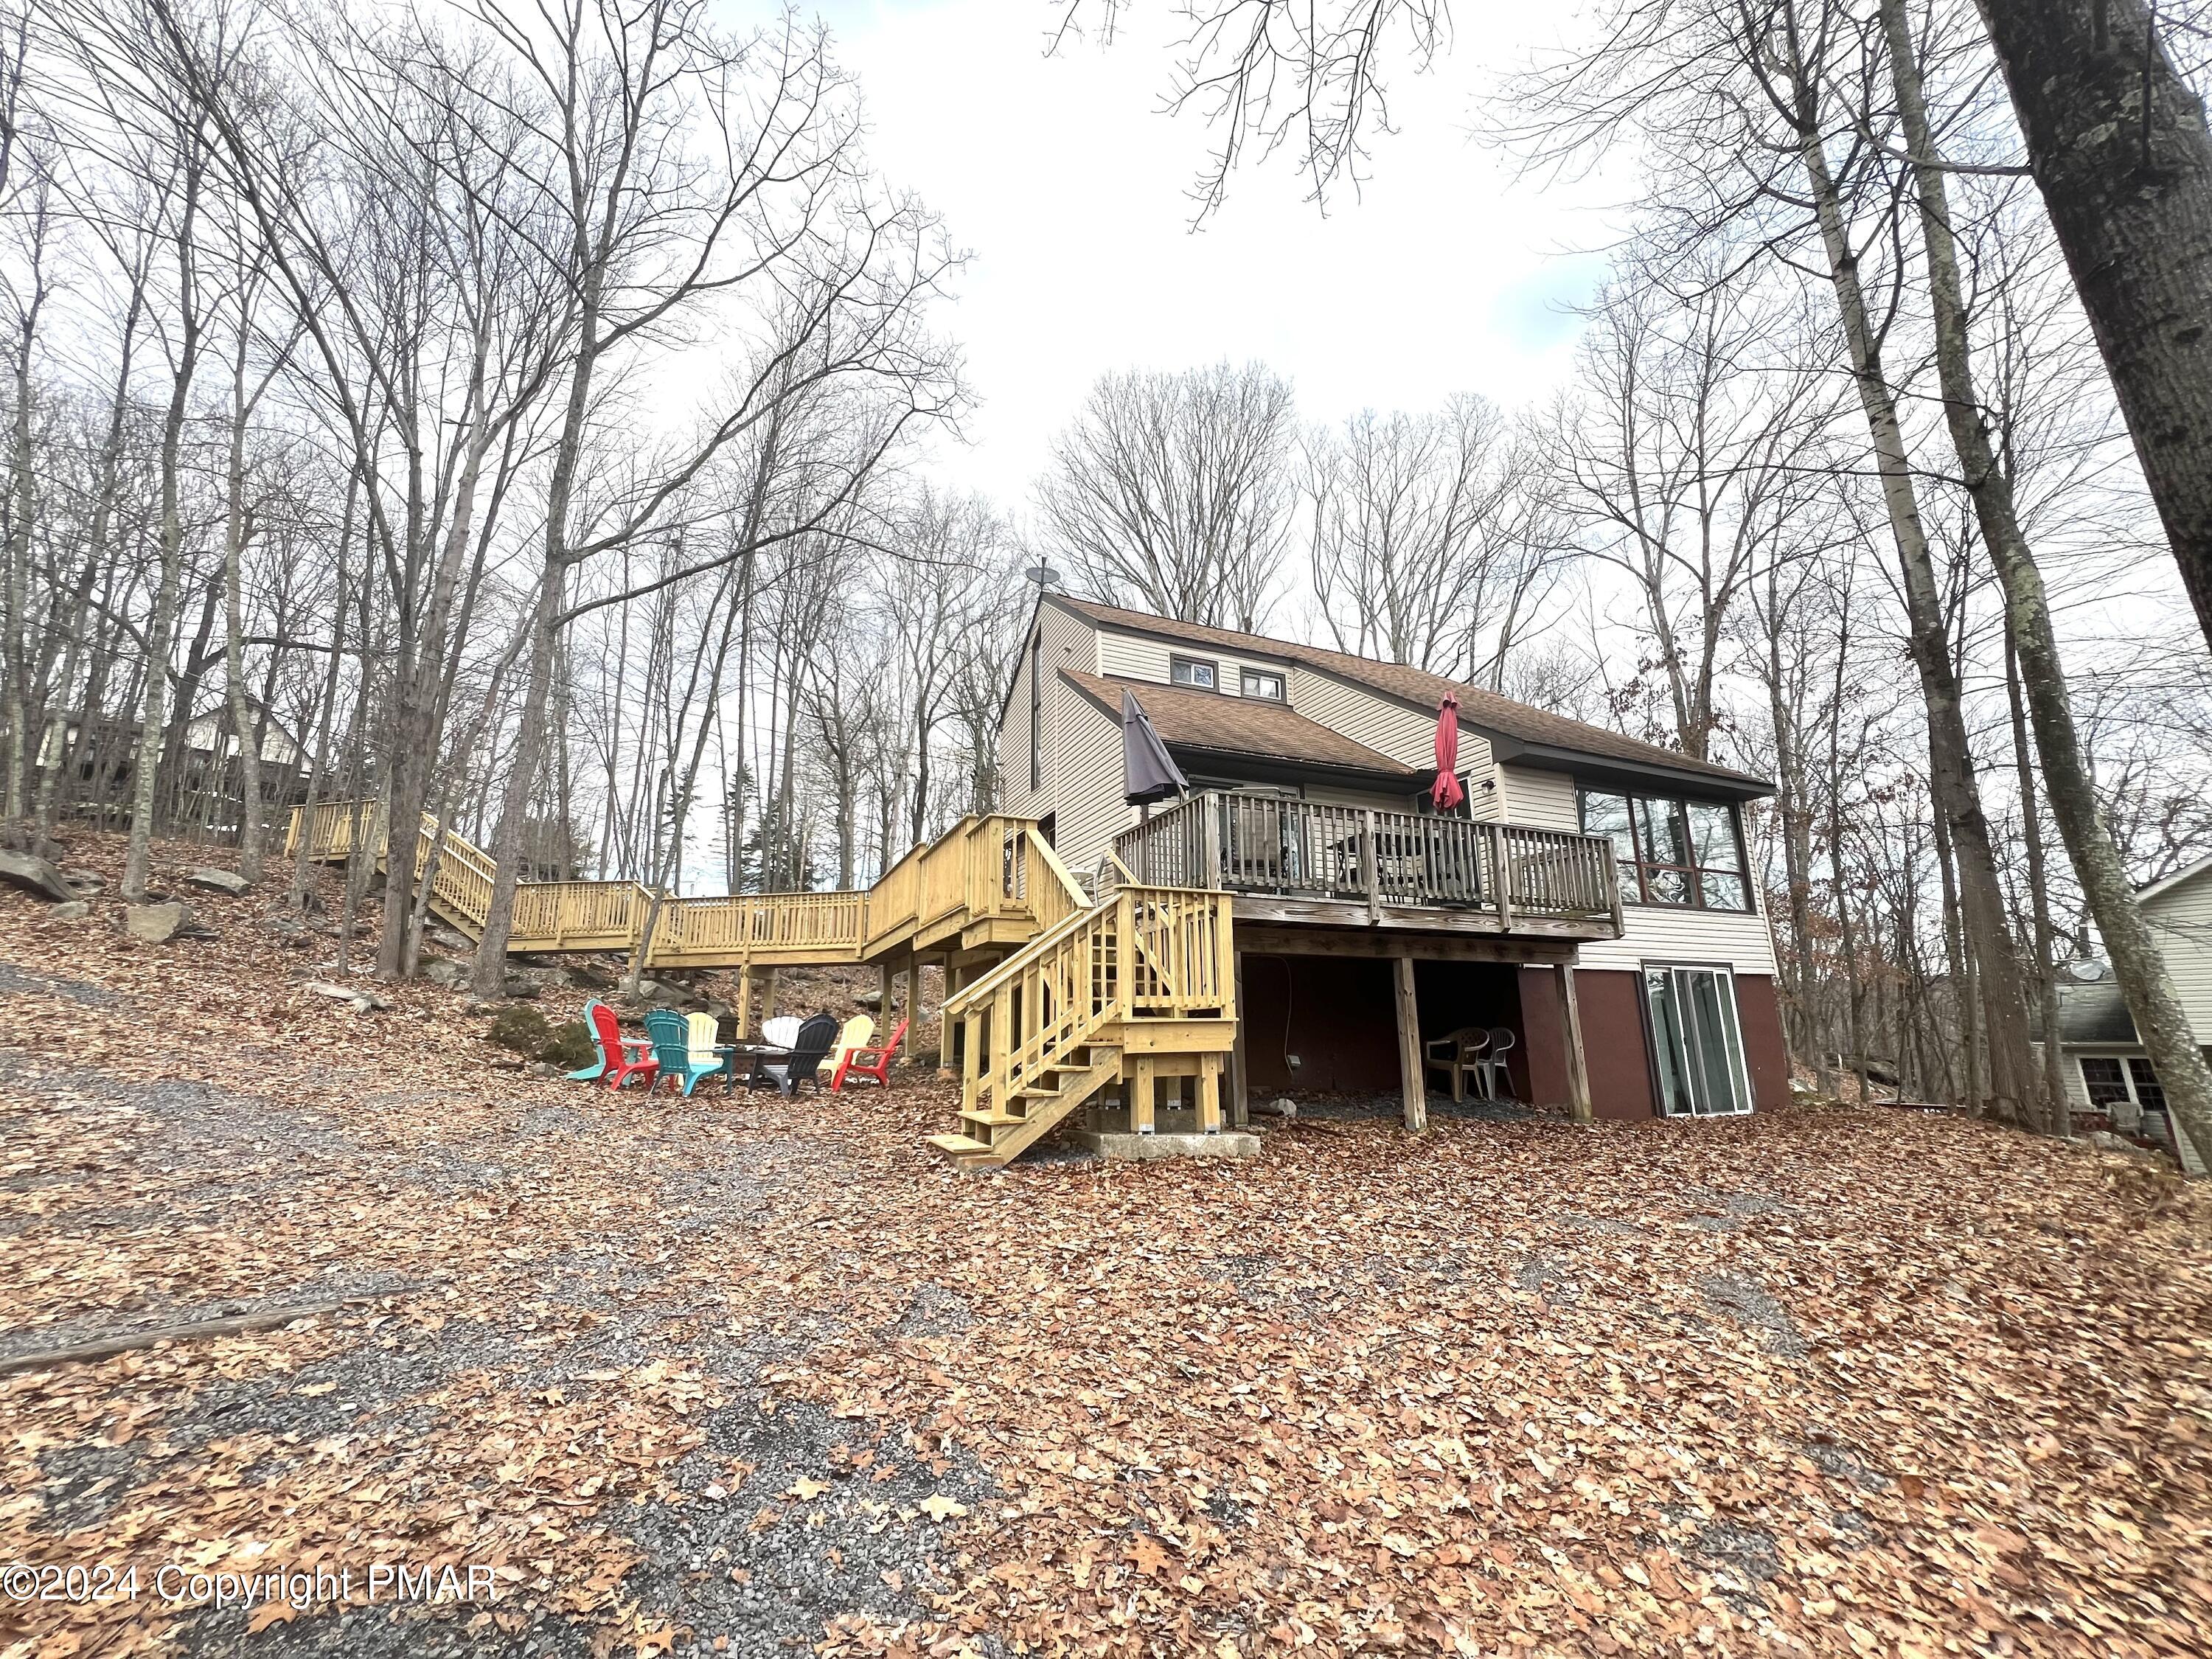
{"points": [[671, 1045]]}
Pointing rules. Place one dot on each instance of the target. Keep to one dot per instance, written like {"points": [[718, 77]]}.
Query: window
{"points": [[1254, 683], [2149, 1094], [1193, 671], [1672, 852], [1036, 710], [2106, 1083]]}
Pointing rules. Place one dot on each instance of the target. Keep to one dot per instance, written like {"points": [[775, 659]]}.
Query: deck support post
{"points": [[1240, 1103], [744, 998], [951, 1036], [1209, 1095], [1409, 1047], [767, 1000], [1143, 1095], [1570, 1018]]}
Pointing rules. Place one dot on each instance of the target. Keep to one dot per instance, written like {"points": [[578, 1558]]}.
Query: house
{"points": [[2102, 1061], [1590, 887]]}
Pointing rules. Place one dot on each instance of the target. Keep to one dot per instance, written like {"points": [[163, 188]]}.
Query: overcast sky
{"points": [[1071, 190]]}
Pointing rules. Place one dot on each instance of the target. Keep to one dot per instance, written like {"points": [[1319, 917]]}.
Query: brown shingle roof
{"points": [[1481, 710], [1238, 726]]}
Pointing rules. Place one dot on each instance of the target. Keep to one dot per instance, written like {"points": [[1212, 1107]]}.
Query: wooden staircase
{"points": [[1141, 985]]}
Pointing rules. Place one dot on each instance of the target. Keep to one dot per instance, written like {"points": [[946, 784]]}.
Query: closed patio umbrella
{"points": [[1148, 773], [1446, 792]]}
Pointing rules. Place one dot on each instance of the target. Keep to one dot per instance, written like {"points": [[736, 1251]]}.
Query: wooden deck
{"points": [[1309, 863], [1136, 989]]}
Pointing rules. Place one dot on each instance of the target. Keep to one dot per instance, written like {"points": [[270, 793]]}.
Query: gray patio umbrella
{"points": [[1147, 773]]}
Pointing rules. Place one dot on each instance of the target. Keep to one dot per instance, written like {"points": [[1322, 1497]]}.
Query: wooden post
{"points": [[1210, 838], [1209, 1094], [1409, 1047], [767, 1000], [745, 998], [1578, 1094], [1503, 898], [1240, 1104], [948, 1034], [1372, 867], [883, 992], [1141, 1095]]}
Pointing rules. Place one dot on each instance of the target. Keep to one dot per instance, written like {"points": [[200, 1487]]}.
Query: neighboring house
{"points": [[208, 752], [1310, 770], [2102, 1061]]}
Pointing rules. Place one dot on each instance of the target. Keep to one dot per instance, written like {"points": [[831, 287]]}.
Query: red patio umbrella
{"points": [[1446, 792]]}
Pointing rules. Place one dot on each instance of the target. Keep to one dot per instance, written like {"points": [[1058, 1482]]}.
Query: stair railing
{"points": [[1037, 1006]]}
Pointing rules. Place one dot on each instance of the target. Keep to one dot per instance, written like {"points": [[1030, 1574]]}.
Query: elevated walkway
{"points": [[989, 884]]}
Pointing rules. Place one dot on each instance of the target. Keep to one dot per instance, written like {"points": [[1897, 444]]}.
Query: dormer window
{"points": [[1255, 683], [1195, 671]]}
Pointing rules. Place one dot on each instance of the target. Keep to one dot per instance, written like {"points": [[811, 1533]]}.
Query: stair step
{"points": [[992, 1120], [961, 1146]]}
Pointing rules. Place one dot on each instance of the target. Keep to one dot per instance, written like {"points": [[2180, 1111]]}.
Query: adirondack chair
{"points": [[869, 1062], [781, 1032], [854, 1034], [621, 1058], [799, 1064], [671, 1045]]}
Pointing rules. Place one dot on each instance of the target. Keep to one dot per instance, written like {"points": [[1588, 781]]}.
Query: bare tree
{"points": [[1422, 551], [1173, 492]]}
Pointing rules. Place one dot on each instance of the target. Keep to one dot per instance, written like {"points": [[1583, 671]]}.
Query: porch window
{"points": [[1255, 683], [1684, 852], [1193, 671]]}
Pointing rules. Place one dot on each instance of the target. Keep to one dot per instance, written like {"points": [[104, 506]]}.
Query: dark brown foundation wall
{"points": [[1614, 1047], [1342, 1017], [1766, 1051]]}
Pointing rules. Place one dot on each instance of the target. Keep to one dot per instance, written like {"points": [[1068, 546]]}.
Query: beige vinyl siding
{"points": [[1664, 933], [1388, 727], [2181, 920], [1086, 779], [1068, 642], [1134, 657], [1541, 799]]}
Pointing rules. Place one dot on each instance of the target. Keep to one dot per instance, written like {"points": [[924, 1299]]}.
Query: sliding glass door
{"points": [[1696, 1042]]}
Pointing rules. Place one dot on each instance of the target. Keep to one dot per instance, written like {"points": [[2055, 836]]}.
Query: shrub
{"points": [[522, 1030], [569, 1048]]}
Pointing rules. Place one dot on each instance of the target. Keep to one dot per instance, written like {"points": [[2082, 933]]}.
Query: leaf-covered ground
{"points": [[764, 1377]]}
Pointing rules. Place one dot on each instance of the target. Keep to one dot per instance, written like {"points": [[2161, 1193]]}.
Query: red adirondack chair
{"points": [[869, 1062], [618, 1049]]}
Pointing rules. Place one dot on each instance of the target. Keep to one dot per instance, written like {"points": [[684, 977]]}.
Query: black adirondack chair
{"points": [[785, 1070]]}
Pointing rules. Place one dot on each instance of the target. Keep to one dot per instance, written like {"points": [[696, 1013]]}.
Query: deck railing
{"points": [[1246, 843]]}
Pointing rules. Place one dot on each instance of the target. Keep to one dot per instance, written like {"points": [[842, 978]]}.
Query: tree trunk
{"points": [[233, 616], [2119, 149], [2138, 962], [2012, 1074], [2038, 890], [152, 731]]}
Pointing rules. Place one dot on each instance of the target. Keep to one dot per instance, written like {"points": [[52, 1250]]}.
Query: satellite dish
{"points": [[1044, 575], [2085, 973]]}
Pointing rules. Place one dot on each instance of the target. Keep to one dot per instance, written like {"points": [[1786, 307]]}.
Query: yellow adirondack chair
{"points": [[855, 1034]]}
